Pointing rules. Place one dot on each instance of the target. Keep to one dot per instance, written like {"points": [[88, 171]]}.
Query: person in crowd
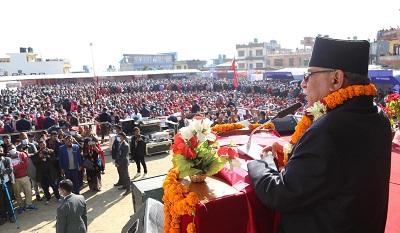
{"points": [[92, 154], [122, 163], [263, 118], [22, 181], [8, 128], [340, 164], [49, 121], [53, 143], [31, 138], [72, 213], [195, 107], [70, 161], [88, 132], [183, 122], [114, 119], [136, 115], [114, 150], [30, 149], [23, 124], [104, 118], [46, 170], [6, 142], [144, 111], [138, 151], [6, 177], [72, 120]]}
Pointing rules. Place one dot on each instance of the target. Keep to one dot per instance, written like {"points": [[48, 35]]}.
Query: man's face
{"points": [[42, 146], [68, 141], [136, 133], [54, 137], [317, 86]]}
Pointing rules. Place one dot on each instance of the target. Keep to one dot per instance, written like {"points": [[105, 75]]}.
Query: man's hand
{"points": [[62, 172], [116, 165]]}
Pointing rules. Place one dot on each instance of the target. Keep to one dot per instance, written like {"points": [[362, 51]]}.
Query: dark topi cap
{"points": [[346, 55]]}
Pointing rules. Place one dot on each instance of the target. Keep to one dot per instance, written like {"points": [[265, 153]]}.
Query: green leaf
{"points": [[183, 163], [216, 166], [192, 171]]}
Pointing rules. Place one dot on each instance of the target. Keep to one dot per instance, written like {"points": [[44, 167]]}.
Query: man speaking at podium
{"points": [[336, 178]]}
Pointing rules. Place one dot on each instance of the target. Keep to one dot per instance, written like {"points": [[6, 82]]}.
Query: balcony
{"points": [[254, 58], [393, 60]]}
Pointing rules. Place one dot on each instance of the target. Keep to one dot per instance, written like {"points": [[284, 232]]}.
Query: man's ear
{"points": [[338, 80]]}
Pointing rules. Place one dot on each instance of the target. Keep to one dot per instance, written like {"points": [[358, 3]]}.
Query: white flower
{"points": [[186, 133], [203, 130], [287, 148], [317, 110]]}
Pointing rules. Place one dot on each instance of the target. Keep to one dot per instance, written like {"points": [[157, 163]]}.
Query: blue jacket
{"points": [[63, 157]]}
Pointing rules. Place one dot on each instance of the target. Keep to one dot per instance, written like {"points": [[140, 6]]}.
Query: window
{"points": [[305, 62], [178, 67], [240, 53], [250, 53], [278, 62], [300, 61], [250, 66], [259, 52], [291, 61], [259, 65], [241, 66]]}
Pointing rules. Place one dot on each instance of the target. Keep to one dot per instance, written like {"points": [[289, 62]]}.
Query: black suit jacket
{"points": [[23, 125], [138, 150], [114, 148], [337, 179]]}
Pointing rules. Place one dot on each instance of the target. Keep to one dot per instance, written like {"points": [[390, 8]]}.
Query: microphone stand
{"points": [[253, 150]]}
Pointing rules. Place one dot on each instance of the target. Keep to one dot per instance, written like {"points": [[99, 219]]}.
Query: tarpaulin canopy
{"points": [[279, 75], [383, 77]]}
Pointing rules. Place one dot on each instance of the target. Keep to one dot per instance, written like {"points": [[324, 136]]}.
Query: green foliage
{"points": [[207, 161]]}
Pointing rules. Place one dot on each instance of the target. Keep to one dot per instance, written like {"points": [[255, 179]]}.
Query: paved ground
{"points": [[108, 210]]}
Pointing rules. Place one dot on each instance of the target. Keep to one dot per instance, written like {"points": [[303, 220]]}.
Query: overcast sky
{"points": [[194, 29]]}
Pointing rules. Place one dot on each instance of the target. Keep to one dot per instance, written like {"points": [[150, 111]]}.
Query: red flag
{"points": [[233, 67]]}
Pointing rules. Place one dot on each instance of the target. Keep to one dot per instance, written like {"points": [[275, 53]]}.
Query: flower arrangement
{"points": [[390, 113], [194, 149], [227, 127], [269, 125], [325, 105], [393, 102]]}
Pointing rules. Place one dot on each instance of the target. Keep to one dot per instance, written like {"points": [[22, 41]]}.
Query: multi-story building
{"points": [[159, 61], [263, 56], [190, 64], [26, 62], [391, 56]]}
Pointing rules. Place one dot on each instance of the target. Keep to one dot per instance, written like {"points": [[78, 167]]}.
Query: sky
{"points": [[193, 29]]}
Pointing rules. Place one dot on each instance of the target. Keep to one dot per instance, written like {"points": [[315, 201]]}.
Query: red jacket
{"points": [[20, 163]]}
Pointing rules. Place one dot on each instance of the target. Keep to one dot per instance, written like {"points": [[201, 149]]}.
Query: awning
{"points": [[279, 75], [383, 77]]}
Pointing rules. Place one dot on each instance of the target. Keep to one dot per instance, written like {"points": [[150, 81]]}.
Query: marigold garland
{"points": [[178, 201], [227, 127], [331, 101], [269, 125]]}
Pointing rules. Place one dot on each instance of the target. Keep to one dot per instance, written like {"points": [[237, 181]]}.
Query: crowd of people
{"points": [[64, 147]]}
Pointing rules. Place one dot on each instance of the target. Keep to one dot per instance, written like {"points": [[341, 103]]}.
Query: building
{"points": [[190, 64], [26, 62], [159, 61], [388, 47], [268, 55]]}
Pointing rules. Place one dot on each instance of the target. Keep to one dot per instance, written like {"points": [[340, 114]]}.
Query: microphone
{"points": [[251, 149]]}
